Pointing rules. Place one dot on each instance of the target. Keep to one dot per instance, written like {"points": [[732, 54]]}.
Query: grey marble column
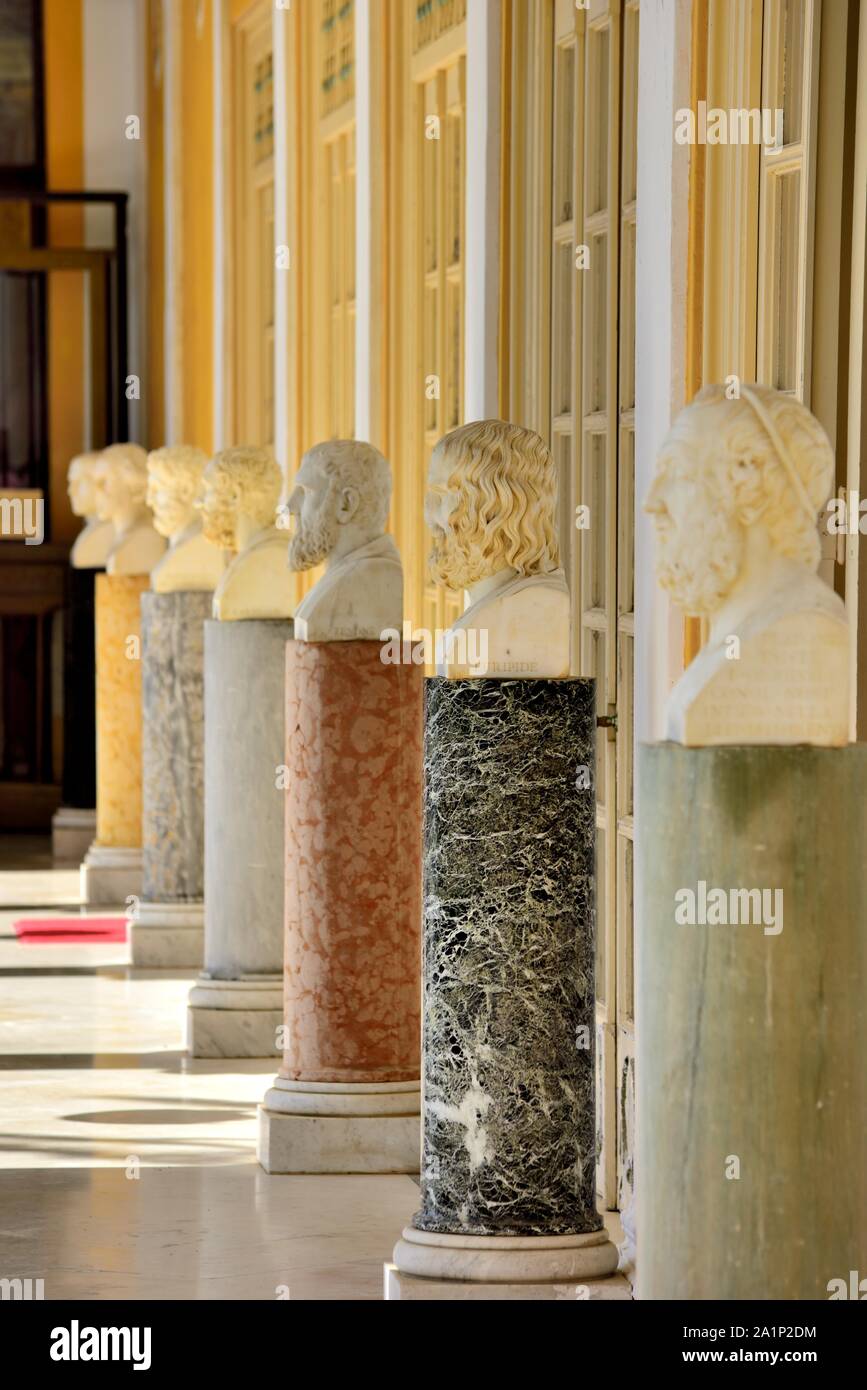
{"points": [[236, 1007], [508, 1166], [167, 925], [751, 1016]]}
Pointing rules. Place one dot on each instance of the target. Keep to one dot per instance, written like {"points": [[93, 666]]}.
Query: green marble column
{"points": [[751, 1160]]}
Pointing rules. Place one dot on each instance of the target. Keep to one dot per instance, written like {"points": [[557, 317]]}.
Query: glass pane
{"points": [[455, 150], [455, 300], [561, 346], [627, 317], [564, 136], [431, 365], [23, 380], [598, 671], [597, 122], [595, 495], [18, 115], [626, 999], [792, 68], [626, 513], [787, 202], [601, 906], [596, 321], [562, 451]]}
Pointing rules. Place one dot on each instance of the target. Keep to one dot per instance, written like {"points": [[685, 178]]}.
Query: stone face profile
{"points": [[491, 506], [238, 507], [340, 506], [121, 499], [92, 544], [738, 490], [175, 483]]}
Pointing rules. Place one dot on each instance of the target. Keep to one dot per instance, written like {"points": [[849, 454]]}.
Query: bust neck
{"points": [[127, 518], [246, 527], [489, 587], [765, 573]]}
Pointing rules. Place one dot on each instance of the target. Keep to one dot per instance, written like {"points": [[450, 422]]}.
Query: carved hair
{"points": [[353, 463], [784, 480], [253, 475], [506, 479], [179, 468], [127, 464], [82, 465]]}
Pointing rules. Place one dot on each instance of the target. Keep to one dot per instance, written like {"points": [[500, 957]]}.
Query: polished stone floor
{"points": [[128, 1170]]}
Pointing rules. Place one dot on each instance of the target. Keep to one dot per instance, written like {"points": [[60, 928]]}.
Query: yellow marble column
{"points": [[112, 870]]}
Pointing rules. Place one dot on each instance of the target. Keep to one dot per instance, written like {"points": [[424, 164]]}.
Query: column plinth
{"points": [[347, 1097], [750, 1007], [112, 869], [235, 1008], [168, 926], [508, 1179]]}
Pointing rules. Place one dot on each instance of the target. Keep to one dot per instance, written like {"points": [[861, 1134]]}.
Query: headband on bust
{"points": [[785, 458]]}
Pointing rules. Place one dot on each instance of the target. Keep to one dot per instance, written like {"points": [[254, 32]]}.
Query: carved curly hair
{"points": [[506, 479], [758, 480], [180, 466]]}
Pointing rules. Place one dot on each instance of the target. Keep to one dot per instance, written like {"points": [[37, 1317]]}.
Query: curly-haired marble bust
{"points": [[340, 508], [91, 547], [121, 490], [736, 500], [175, 484], [242, 486], [491, 506]]}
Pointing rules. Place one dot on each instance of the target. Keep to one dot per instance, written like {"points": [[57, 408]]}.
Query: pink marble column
{"points": [[347, 1096]]}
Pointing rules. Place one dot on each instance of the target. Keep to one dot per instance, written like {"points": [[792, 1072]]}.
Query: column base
{"points": [[110, 874], [235, 1018], [168, 935], [432, 1264], [324, 1127], [72, 833]]}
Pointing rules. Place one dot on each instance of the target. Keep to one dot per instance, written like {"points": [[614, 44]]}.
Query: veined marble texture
{"points": [[509, 955], [244, 749], [118, 709], [173, 745], [353, 864]]}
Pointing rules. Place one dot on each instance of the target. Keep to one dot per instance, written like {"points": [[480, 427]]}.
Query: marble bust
{"points": [[175, 482], [121, 499], [238, 506], [491, 506], [340, 508], [735, 501], [92, 544]]}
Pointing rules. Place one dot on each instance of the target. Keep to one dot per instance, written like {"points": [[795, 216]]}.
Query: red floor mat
{"points": [[69, 930]]}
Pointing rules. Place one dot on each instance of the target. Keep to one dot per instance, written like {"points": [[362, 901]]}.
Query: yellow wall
{"points": [[155, 272], [196, 234], [64, 141]]}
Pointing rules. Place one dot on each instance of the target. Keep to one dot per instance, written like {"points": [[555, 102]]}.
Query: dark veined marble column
{"points": [[508, 1167]]}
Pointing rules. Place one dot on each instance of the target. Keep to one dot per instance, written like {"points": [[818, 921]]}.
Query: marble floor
{"points": [[128, 1170]]}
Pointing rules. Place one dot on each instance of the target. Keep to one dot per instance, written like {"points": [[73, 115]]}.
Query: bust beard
{"points": [[453, 566], [699, 567], [311, 545]]}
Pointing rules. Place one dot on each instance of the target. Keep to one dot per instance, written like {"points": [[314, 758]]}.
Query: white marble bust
{"points": [[736, 499], [239, 506], [175, 483], [340, 508], [121, 493], [491, 506], [92, 545]]}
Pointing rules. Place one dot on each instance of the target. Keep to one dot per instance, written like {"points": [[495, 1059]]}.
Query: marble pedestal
{"points": [[236, 1005], [168, 926], [508, 1159], [347, 1096], [112, 869], [751, 1159], [73, 826]]}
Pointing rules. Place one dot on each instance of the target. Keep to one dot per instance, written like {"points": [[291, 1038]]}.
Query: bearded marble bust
{"points": [[491, 506], [175, 484], [239, 507], [92, 544], [736, 499], [340, 508], [121, 499]]}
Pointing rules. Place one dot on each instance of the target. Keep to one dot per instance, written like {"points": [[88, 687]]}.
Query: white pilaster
{"points": [[220, 154], [482, 251], [172, 347], [282, 444]]}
